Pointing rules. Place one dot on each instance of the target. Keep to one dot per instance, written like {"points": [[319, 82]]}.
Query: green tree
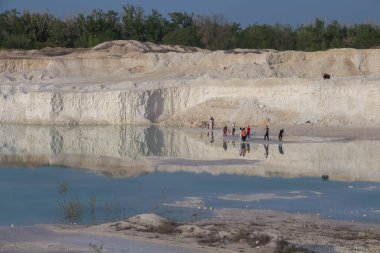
{"points": [[311, 37], [101, 27], [133, 23], [366, 36], [258, 36], [56, 33], [215, 31], [188, 36], [181, 19], [334, 35], [12, 31], [36, 30], [155, 27], [284, 38], [81, 34], [182, 30]]}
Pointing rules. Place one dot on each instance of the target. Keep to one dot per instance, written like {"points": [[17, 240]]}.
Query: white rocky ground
{"points": [[232, 230], [131, 82]]}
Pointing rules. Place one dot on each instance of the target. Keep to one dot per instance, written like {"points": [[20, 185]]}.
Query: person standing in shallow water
{"points": [[266, 136], [233, 128]]}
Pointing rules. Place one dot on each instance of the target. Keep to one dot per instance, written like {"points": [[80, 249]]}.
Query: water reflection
{"points": [[211, 136], [225, 144], [243, 149], [280, 149], [124, 151], [266, 147]]}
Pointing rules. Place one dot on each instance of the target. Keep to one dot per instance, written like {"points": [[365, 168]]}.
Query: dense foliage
{"points": [[36, 30]]}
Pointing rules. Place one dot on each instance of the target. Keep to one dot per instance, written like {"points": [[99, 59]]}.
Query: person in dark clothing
{"points": [[211, 123], [280, 134], [233, 128], [225, 130], [266, 136]]}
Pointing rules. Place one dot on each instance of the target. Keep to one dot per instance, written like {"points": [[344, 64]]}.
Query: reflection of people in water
{"points": [[325, 177], [248, 148], [233, 143], [266, 146], [211, 137], [225, 144], [243, 149], [225, 129], [280, 149]]}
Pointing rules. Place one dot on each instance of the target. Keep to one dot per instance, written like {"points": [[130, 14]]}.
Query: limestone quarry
{"points": [[128, 82]]}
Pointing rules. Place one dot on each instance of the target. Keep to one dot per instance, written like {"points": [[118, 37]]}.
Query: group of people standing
{"points": [[245, 132]]}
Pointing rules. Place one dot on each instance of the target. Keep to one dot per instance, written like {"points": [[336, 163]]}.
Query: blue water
{"points": [[32, 196]]}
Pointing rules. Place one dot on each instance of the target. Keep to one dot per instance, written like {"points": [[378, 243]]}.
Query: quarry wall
{"points": [[127, 82]]}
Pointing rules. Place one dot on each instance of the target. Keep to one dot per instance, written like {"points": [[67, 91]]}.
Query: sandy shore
{"points": [[232, 230]]}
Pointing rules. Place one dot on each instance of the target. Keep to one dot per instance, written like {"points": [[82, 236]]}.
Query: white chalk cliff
{"points": [[128, 82]]}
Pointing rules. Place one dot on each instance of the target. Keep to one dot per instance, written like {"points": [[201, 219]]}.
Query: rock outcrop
{"points": [[128, 82]]}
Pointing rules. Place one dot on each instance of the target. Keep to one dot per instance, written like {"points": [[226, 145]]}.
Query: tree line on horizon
{"points": [[34, 30]]}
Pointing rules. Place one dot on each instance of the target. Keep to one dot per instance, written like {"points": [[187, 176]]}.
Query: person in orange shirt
{"points": [[243, 134]]}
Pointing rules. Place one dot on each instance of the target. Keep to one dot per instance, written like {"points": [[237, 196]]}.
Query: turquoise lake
{"points": [[91, 175]]}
